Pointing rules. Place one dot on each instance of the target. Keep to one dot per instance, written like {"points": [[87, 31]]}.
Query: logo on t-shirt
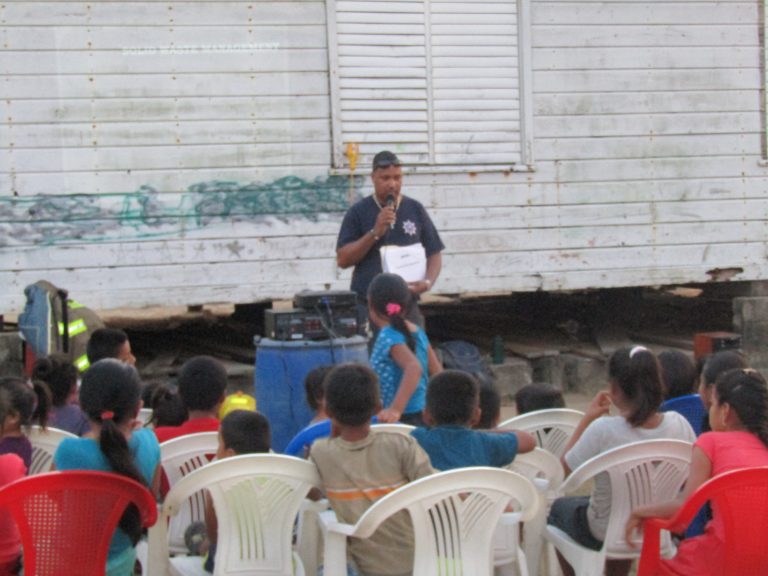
{"points": [[409, 228]]}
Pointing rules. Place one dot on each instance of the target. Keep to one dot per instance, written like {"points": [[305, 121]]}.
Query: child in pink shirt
{"points": [[739, 420]]}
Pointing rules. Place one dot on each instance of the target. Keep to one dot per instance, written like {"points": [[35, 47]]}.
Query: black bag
{"points": [[465, 356]]}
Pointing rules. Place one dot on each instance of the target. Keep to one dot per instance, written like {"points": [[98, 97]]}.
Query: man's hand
{"points": [[384, 220], [419, 287], [388, 416]]}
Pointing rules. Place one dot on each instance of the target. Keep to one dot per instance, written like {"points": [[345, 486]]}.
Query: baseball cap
{"points": [[385, 159]]}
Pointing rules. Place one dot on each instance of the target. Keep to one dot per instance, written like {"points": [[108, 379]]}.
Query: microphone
{"points": [[391, 204]]}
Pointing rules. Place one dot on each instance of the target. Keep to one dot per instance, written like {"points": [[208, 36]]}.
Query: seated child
{"points": [[202, 385], [540, 396], [109, 343], [241, 432], [11, 468], [358, 467], [168, 408], [490, 406], [453, 399], [681, 381], [320, 425], [27, 405], [110, 397], [739, 439], [60, 375]]}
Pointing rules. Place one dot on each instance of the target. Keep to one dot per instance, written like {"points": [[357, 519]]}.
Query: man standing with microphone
{"points": [[386, 218]]}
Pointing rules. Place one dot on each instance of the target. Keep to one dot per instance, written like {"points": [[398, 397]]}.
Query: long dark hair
{"points": [[389, 296], [59, 374], [745, 391], [31, 402], [636, 373], [109, 395]]}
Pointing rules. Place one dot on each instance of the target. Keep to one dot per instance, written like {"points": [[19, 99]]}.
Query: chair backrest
{"points": [[405, 429], [552, 428], [740, 501], [145, 416], [640, 473], [44, 443], [179, 457], [66, 520], [256, 498], [690, 407], [540, 466], [455, 514]]}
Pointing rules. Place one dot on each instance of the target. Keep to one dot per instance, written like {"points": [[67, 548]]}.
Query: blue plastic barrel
{"points": [[281, 367]]}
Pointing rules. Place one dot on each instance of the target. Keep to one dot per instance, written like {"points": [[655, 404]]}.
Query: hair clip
{"points": [[393, 308], [107, 415], [637, 349]]}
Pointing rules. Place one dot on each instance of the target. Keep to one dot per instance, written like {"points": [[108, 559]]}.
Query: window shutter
{"points": [[382, 78], [435, 81], [475, 87]]}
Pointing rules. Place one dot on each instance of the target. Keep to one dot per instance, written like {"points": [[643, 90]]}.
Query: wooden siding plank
{"points": [[150, 109], [645, 13], [167, 85], [161, 13], [163, 133], [172, 157], [656, 58], [247, 61], [593, 36], [624, 125], [641, 81], [200, 37], [651, 146], [656, 102]]}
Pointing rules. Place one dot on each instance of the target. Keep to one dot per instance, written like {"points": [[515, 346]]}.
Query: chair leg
{"points": [[142, 555], [553, 564]]}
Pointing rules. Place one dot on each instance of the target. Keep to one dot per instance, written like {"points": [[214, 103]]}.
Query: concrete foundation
{"points": [[750, 319], [510, 376], [11, 358]]}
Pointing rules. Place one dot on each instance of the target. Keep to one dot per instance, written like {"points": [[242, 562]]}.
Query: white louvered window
{"points": [[439, 82]]}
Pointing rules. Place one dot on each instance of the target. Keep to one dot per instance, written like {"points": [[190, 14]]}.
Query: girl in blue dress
{"points": [[110, 398], [402, 356]]}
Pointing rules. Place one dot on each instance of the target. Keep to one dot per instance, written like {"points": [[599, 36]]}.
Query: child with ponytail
{"points": [[11, 469], [110, 398], [401, 356], [60, 375], [29, 404], [636, 390], [738, 416]]}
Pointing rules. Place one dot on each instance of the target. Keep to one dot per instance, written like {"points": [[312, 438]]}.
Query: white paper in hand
{"points": [[408, 262]]}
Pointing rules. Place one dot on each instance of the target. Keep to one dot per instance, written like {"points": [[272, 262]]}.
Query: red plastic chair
{"points": [[741, 497], [66, 519]]}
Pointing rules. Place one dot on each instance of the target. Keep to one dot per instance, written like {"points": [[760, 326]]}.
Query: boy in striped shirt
{"points": [[358, 466]]}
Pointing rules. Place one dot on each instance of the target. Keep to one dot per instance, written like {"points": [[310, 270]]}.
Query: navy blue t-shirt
{"points": [[413, 225]]}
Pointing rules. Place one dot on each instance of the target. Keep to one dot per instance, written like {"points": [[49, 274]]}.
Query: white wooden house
{"points": [[187, 152]]}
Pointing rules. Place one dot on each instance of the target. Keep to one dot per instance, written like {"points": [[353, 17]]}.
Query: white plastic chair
{"points": [[256, 498], [394, 427], [546, 472], [552, 428], [309, 537], [454, 516], [44, 443], [640, 473], [179, 457], [145, 416]]}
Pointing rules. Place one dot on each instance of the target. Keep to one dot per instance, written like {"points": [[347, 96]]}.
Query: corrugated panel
{"points": [[435, 80]]}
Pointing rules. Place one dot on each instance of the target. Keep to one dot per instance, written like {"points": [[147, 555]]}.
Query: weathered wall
{"points": [[179, 153]]}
